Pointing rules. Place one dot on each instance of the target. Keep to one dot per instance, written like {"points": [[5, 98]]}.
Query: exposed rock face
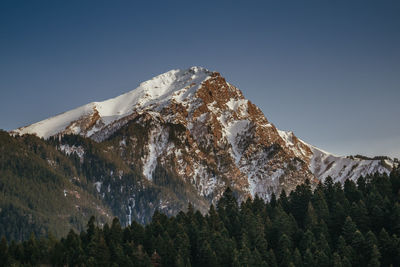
{"points": [[199, 128]]}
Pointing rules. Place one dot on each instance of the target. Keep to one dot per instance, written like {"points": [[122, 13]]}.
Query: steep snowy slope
{"points": [[194, 125], [323, 164], [174, 85]]}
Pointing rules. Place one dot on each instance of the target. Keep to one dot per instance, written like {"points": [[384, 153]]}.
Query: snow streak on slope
{"points": [[158, 141]]}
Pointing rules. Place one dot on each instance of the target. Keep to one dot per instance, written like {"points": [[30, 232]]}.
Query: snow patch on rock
{"points": [[98, 186], [233, 131], [158, 140], [68, 150]]}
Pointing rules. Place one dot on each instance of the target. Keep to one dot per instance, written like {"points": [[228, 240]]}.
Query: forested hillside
{"points": [[41, 190], [357, 224], [57, 184]]}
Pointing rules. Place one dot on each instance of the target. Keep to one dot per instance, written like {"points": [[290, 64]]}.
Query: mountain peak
{"points": [[196, 69], [196, 125]]}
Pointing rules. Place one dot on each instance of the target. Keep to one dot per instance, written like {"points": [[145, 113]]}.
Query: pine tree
{"points": [[4, 257], [300, 201], [337, 261], [56, 255], [321, 259], [73, 249], [271, 259], [228, 210], [361, 184], [307, 242], [349, 229], [140, 257], [206, 256], [387, 248], [165, 248], [137, 233], [323, 245], [374, 257], [338, 216], [90, 232], [319, 204], [98, 250], [395, 218], [116, 231], [284, 251], [182, 245], [311, 219], [346, 262], [351, 191], [283, 201], [358, 244], [329, 193], [244, 255], [213, 219], [31, 250], [396, 249], [344, 250], [308, 259], [273, 201], [370, 242], [235, 259], [297, 258], [282, 224], [286, 258], [374, 204], [359, 213], [155, 259], [180, 262], [256, 259]]}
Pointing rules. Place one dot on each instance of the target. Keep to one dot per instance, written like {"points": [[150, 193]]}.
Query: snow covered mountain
{"points": [[198, 128]]}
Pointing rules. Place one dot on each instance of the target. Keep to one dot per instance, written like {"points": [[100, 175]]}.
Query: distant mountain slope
{"points": [[323, 164], [40, 190]]}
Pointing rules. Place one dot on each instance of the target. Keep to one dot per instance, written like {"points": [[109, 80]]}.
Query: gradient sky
{"points": [[327, 70]]}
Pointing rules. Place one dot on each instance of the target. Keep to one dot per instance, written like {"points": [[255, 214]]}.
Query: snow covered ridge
{"points": [[323, 164], [224, 138], [176, 85]]}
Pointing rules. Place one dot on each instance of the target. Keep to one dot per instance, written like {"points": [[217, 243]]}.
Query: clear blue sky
{"points": [[327, 70]]}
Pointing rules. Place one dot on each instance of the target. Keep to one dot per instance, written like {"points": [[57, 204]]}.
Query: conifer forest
{"points": [[355, 224]]}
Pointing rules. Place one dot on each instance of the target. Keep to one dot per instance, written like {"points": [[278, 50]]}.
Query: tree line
{"points": [[354, 224]]}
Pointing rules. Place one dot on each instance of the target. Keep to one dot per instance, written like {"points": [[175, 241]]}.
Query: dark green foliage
{"points": [[251, 234], [37, 195]]}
